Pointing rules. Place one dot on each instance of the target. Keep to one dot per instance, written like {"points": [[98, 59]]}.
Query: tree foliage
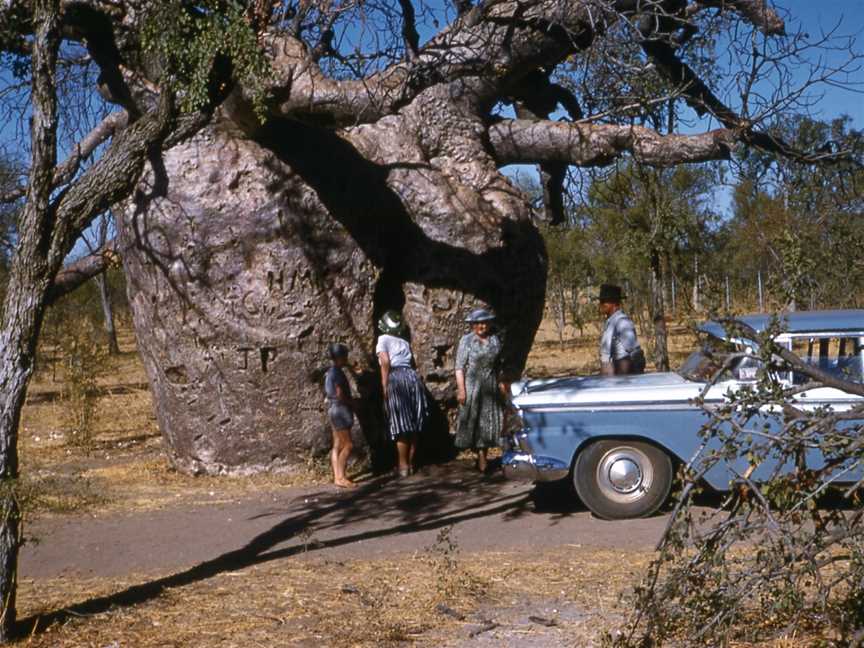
{"points": [[192, 44]]}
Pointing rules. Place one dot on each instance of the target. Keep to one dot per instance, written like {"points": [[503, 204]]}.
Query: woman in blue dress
{"points": [[480, 392]]}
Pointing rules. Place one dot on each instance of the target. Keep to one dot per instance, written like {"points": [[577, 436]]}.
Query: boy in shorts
{"points": [[340, 412]]}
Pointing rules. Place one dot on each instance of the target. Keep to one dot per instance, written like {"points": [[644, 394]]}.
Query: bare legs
{"points": [[406, 446], [481, 459], [339, 456]]}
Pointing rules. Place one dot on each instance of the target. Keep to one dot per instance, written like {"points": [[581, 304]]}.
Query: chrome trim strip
{"points": [[610, 407]]}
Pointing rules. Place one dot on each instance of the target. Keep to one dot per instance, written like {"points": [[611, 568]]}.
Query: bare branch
{"points": [[409, 30], [65, 171], [80, 271]]}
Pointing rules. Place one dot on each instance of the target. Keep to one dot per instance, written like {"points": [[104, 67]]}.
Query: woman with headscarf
{"points": [[404, 394], [480, 392]]}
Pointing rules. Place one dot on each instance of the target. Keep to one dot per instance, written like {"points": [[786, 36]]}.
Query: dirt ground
{"points": [[123, 551], [432, 559]]}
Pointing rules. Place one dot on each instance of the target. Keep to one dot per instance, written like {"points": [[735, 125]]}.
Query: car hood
{"points": [[653, 388]]}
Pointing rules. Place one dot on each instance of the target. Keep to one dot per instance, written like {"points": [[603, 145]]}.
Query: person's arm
{"points": [[504, 386], [343, 397], [461, 394], [461, 363], [384, 361], [503, 383], [607, 366]]}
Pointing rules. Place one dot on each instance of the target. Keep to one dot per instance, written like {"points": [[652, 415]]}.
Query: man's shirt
{"points": [[619, 338]]}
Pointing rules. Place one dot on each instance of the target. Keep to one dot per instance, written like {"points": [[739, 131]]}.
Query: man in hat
{"points": [[620, 353]]}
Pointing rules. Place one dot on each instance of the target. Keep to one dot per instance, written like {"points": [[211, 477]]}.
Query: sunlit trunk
{"points": [[22, 315], [658, 314], [108, 314]]}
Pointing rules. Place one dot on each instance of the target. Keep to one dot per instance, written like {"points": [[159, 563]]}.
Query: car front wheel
{"points": [[619, 479]]}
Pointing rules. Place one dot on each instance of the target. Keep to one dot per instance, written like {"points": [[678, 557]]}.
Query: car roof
{"points": [[798, 322]]}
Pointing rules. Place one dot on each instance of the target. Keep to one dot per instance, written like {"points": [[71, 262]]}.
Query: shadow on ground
{"points": [[439, 497]]}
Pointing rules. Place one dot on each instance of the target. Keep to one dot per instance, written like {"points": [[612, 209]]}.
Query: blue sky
{"points": [[815, 15]]}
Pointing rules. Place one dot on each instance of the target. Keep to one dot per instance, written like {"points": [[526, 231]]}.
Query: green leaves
{"points": [[201, 47]]}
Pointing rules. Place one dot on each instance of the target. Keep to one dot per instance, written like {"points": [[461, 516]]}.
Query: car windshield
{"points": [[701, 365]]}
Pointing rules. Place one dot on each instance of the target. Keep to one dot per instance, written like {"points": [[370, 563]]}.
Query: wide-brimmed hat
{"points": [[391, 323], [610, 293], [480, 315]]}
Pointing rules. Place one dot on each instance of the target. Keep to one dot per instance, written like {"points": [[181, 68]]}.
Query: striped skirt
{"points": [[407, 408]]}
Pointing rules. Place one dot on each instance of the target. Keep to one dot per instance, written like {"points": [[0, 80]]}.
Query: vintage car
{"points": [[618, 439]]}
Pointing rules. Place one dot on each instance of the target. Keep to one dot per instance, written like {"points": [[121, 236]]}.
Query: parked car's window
{"points": [[701, 365], [747, 369], [839, 356]]}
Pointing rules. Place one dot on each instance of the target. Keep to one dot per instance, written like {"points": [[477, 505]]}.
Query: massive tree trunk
{"points": [[246, 257], [251, 248]]}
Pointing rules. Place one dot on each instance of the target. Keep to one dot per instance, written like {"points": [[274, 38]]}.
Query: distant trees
{"points": [[792, 226], [650, 223], [797, 225]]}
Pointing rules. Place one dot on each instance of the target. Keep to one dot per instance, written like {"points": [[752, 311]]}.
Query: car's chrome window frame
{"points": [[786, 339]]}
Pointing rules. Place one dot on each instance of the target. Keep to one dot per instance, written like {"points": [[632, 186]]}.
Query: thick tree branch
{"points": [[495, 43], [756, 12], [78, 272], [591, 145], [112, 177], [409, 30], [34, 221], [66, 170]]}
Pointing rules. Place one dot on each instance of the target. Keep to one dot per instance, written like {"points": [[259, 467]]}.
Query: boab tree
{"points": [[350, 170], [375, 183]]}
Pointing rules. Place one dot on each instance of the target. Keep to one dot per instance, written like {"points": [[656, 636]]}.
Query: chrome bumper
{"points": [[529, 467]]}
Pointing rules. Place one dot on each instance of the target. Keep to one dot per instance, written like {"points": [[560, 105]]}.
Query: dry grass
{"points": [[123, 467], [314, 602], [578, 354]]}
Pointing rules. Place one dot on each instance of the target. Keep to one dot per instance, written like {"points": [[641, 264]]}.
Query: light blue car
{"points": [[619, 438]]}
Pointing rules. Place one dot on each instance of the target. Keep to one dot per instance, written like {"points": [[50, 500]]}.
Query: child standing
{"points": [[340, 412]]}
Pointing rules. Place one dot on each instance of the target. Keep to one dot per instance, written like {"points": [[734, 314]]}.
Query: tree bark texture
{"points": [[24, 304], [246, 258]]}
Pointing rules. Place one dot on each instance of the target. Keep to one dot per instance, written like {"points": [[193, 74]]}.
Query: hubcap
{"points": [[624, 474]]}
